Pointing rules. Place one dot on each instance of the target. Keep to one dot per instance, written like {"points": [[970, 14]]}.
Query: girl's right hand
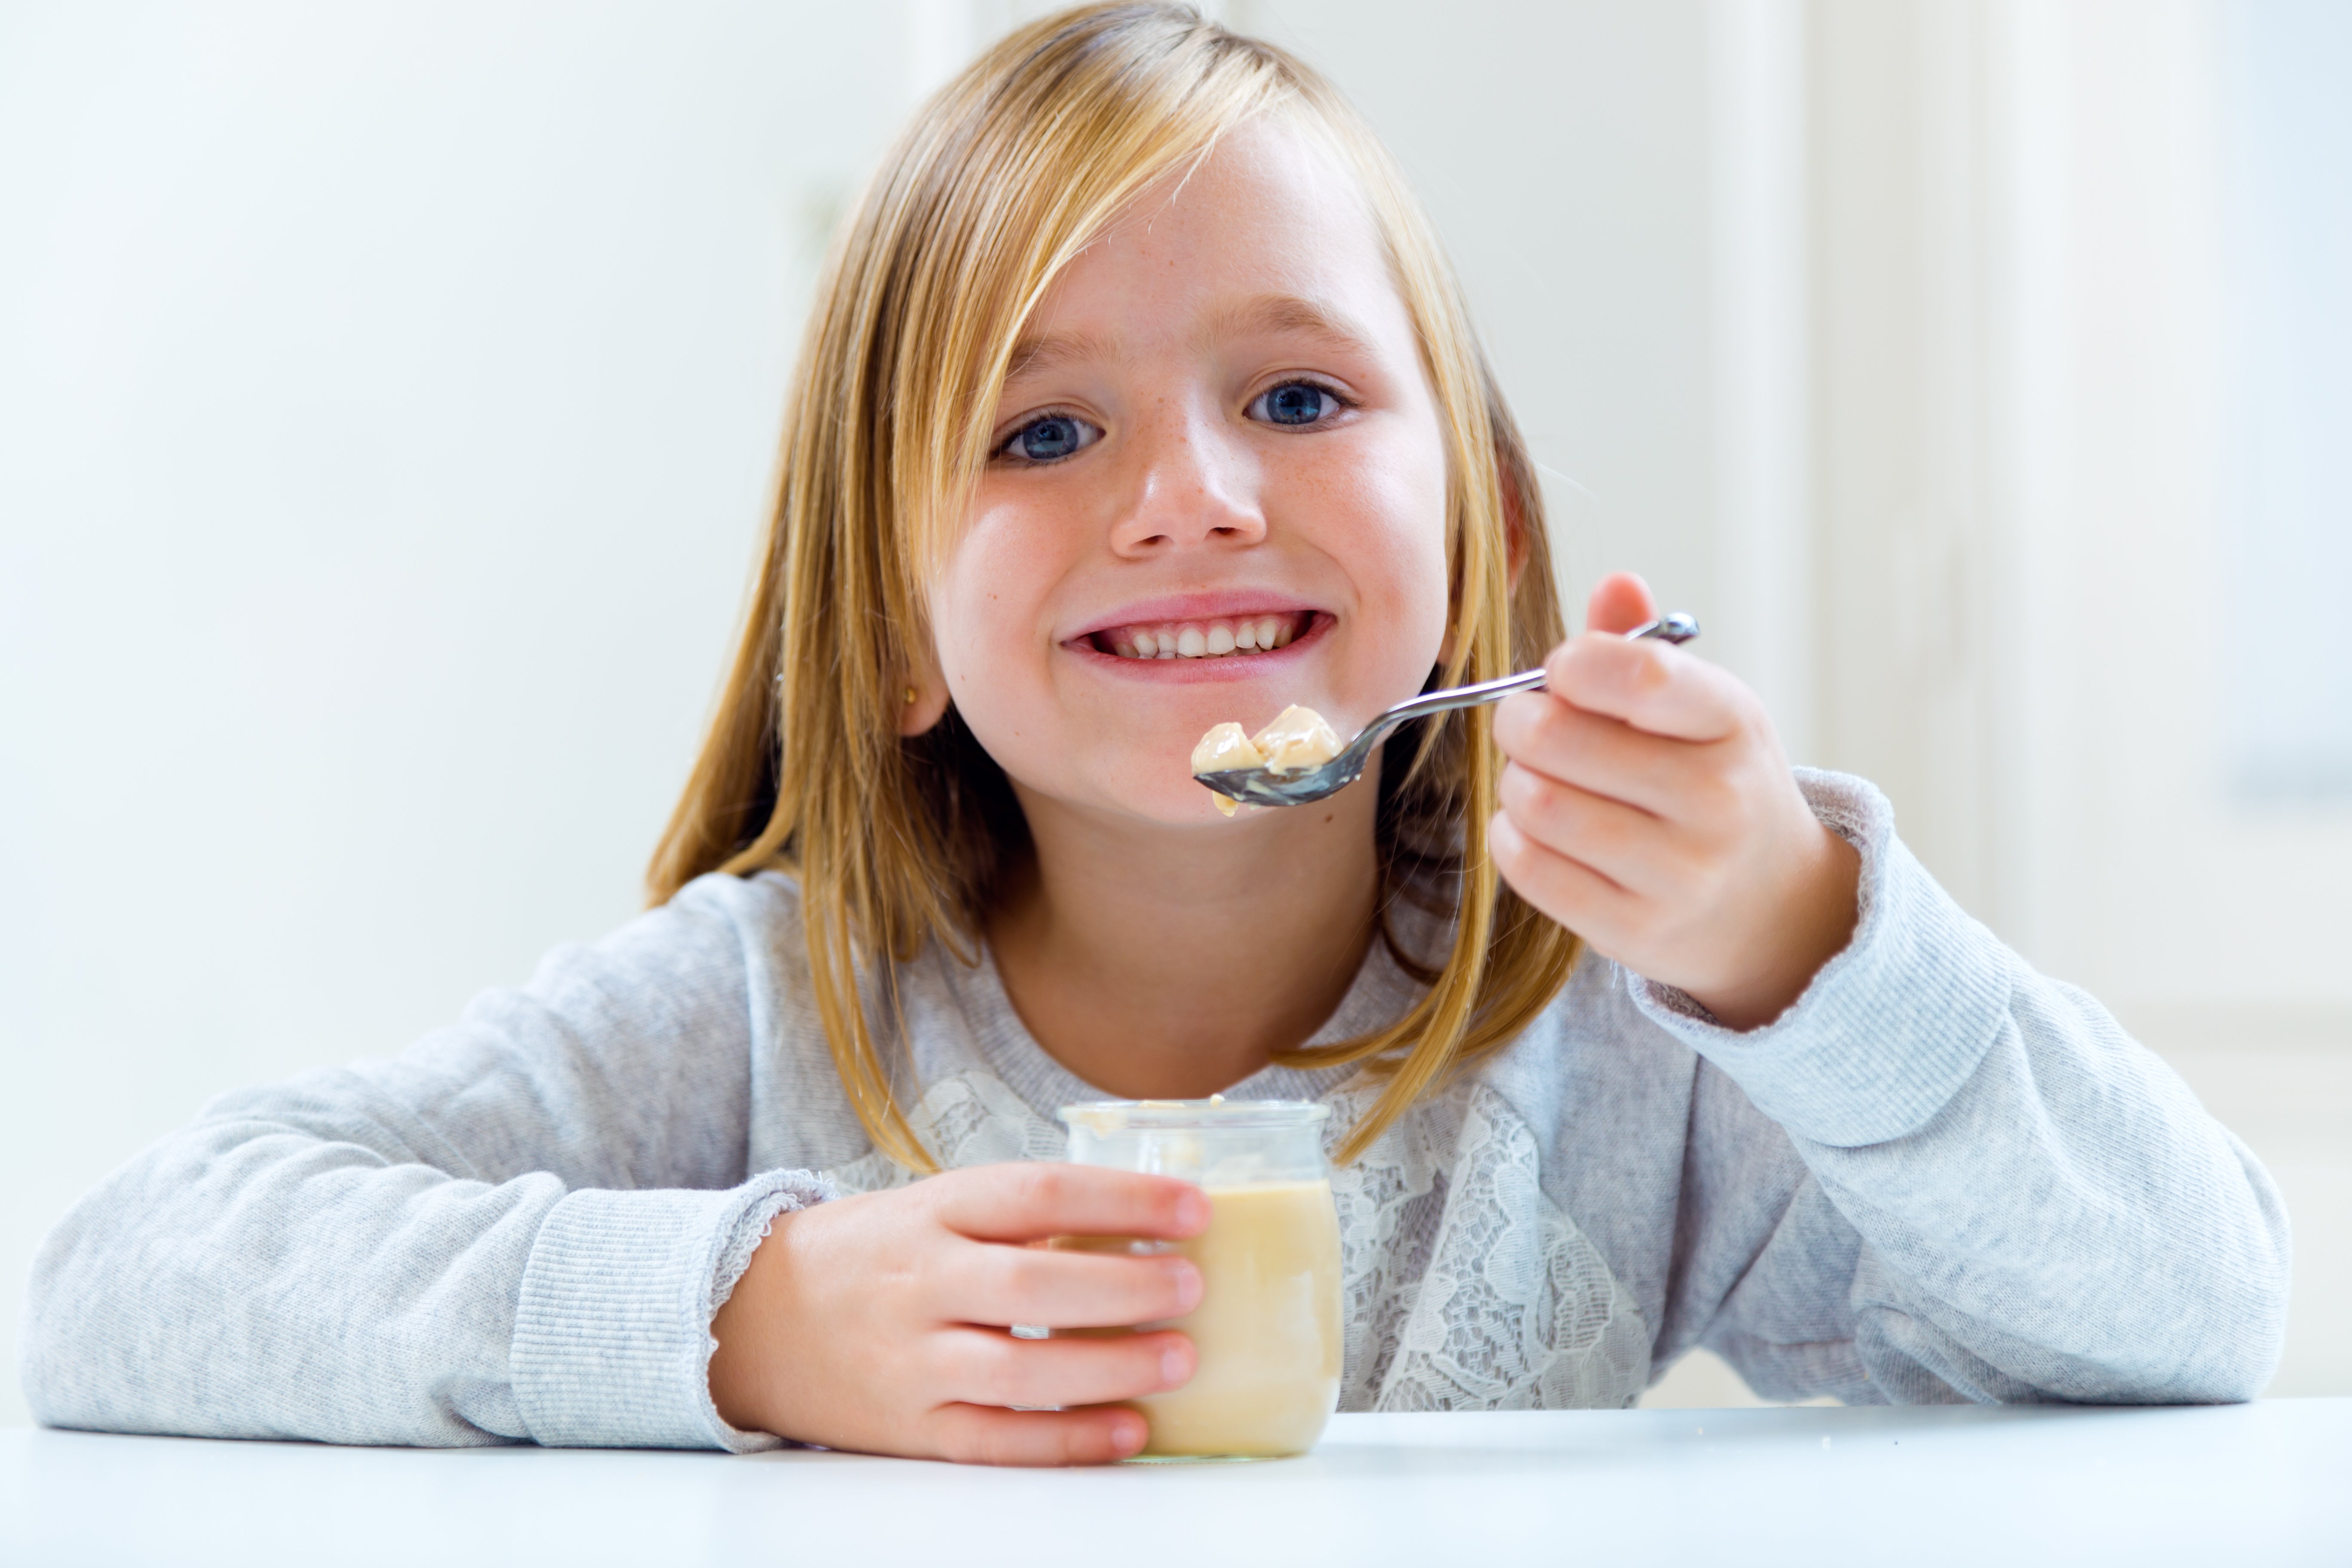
{"points": [[880, 1322]]}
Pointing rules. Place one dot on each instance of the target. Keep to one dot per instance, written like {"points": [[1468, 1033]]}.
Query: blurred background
{"points": [[388, 396]]}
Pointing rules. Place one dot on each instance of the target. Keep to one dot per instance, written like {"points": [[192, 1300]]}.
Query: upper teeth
{"points": [[1203, 639]]}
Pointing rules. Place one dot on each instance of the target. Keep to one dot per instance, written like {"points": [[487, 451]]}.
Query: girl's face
{"points": [[1217, 432]]}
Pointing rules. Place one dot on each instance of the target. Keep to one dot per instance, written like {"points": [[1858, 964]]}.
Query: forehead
{"points": [[1271, 231]]}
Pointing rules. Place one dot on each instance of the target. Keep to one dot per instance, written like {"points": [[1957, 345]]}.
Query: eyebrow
{"points": [[1048, 349], [1278, 313], [1262, 313]]}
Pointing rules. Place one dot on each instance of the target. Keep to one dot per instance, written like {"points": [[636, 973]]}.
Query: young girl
{"points": [[1640, 1042]]}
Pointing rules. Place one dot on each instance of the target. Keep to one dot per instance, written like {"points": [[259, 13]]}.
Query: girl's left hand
{"points": [[1648, 807]]}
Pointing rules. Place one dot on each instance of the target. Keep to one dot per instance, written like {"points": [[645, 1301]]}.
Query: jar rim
{"points": [[1105, 1116]]}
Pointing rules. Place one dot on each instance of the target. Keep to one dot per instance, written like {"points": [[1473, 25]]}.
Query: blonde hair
{"points": [[999, 183]]}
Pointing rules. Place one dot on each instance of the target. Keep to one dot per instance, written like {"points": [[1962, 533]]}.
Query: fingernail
{"points": [[1186, 1278], [1192, 1210], [1126, 1436], [1175, 1368]]}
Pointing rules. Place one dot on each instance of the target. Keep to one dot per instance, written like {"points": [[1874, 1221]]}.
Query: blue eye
{"points": [[1052, 438], [1294, 402]]}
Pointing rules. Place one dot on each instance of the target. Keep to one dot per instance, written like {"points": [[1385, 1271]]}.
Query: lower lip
{"points": [[1192, 671]]}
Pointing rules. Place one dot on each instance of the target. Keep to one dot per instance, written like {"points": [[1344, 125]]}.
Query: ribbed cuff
{"points": [[1892, 1026], [612, 1342]]}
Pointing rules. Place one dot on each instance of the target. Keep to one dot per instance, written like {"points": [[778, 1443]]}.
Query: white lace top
{"points": [[1938, 1176]]}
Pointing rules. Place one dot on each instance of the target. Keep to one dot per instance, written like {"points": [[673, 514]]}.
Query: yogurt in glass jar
{"points": [[1267, 1332]]}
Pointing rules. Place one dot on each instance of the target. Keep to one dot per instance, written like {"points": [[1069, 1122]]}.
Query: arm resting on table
{"points": [[517, 1230], [2004, 1197]]}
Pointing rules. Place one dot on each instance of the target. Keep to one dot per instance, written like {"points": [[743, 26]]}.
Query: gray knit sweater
{"points": [[1938, 1176]]}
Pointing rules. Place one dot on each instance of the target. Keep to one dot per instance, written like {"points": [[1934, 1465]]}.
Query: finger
{"points": [[1619, 602], [985, 1366], [1577, 896], [988, 1282], [1649, 685], [1630, 847], [1593, 751], [977, 1435], [1032, 1201]]}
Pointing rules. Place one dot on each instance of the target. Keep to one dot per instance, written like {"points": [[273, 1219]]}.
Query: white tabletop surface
{"points": [[2268, 1483]]}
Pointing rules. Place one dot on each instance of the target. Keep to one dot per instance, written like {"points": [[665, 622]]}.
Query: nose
{"points": [[1194, 485]]}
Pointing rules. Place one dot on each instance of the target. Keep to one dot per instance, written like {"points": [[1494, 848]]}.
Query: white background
{"points": [[388, 396]]}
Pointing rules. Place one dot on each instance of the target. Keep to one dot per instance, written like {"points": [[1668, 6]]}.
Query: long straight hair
{"points": [[1000, 180]]}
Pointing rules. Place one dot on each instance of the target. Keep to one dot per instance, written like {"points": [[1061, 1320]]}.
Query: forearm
{"points": [[506, 1232], [248, 1279], [2009, 1198], [2072, 1226]]}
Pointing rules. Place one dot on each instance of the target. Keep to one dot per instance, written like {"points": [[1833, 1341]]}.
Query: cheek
{"points": [[1410, 549], [1386, 511], [988, 619]]}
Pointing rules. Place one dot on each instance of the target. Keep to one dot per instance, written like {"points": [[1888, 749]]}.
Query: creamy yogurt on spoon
{"points": [[1298, 739]]}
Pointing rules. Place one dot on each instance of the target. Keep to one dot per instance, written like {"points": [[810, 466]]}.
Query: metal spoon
{"points": [[1263, 786]]}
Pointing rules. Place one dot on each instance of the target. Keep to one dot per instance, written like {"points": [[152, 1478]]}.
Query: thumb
{"points": [[1619, 602]]}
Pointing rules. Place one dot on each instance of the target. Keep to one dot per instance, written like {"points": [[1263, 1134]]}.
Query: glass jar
{"points": [[1267, 1332]]}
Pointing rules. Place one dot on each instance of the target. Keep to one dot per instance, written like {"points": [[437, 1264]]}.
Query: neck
{"points": [[1171, 964]]}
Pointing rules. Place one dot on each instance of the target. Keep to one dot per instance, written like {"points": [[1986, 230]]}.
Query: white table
{"points": [[2266, 1484]]}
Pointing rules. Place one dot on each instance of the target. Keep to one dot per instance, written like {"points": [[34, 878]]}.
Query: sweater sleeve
{"points": [[517, 1230], [2001, 1196]]}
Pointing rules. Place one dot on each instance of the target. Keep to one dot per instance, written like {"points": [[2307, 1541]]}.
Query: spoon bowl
{"points": [[1264, 786]]}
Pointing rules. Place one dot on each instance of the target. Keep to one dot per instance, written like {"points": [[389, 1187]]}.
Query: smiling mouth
{"points": [[1221, 637]]}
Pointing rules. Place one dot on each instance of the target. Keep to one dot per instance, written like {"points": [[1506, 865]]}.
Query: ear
{"points": [[923, 702], [1515, 547], [1517, 544]]}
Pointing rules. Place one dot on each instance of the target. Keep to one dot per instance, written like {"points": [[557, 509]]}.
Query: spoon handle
{"points": [[1455, 697], [1673, 628]]}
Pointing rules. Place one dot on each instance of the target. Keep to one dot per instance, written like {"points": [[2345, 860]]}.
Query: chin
{"points": [[1185, 804]]}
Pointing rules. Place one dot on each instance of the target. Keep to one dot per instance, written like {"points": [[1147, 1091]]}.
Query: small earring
{"points": [[910, 696]]}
